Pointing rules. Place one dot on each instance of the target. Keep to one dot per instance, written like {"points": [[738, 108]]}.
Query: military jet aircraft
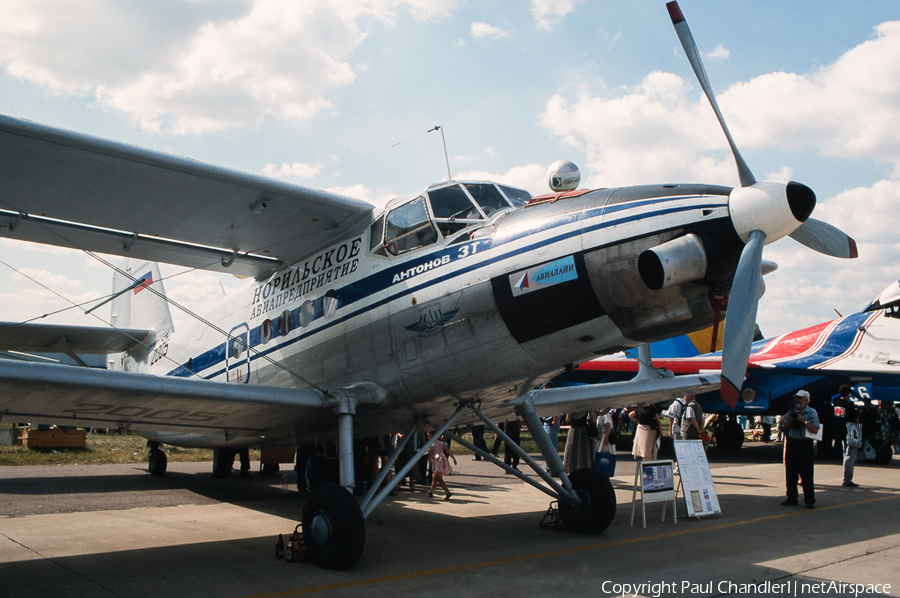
{"points": [[860, 349], [450, 306]]}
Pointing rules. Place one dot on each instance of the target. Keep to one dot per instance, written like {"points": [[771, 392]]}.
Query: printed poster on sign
{"points": [[696, 480]]}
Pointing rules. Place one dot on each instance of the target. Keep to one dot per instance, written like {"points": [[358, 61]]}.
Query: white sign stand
{"points": [[656, 481], [696, 480]]}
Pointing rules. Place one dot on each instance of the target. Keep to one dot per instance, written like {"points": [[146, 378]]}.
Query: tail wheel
{"points": [[334, 530], [598, 503], [156, 462]]}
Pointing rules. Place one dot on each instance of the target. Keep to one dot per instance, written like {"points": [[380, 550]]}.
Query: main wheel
{"points": [[156, 462], [877, 451], [598, 503], [334, 531], [729, 436]]}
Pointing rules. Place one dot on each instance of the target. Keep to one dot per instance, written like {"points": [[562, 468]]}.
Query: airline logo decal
{"points": [[541, 277]]}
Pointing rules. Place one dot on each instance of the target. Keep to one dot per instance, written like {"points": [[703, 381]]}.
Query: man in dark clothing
{"points": [[798, 425], [850, 415]]}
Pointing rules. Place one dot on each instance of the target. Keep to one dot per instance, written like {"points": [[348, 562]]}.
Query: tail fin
{"points": [[143, 305]]}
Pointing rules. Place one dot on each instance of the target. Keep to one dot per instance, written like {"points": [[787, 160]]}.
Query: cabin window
{"points": [[408, 228]]}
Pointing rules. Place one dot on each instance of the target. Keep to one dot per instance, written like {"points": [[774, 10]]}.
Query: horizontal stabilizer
{"points": [[54, 338]]}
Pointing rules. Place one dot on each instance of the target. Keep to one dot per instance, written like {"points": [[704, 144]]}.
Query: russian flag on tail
{"points": [[144, 282]]}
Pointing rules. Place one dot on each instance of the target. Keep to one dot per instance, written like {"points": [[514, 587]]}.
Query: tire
{"points": [[334, 531], [598, 503], [878, 456], [156, 462], [884, 455], [730, 436]]}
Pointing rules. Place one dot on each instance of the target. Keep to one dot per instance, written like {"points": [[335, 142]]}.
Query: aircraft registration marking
{"points": [[127, 411]]}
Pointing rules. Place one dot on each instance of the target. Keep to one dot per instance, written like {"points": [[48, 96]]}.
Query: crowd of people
{"points": [[809, 430]]}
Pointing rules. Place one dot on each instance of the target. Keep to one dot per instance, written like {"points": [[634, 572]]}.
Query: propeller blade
{"points": [[693, 55], [825, 238], [740, 320]]}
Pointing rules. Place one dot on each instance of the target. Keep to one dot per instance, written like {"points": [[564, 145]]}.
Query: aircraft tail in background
{"points": [[143, 303]]}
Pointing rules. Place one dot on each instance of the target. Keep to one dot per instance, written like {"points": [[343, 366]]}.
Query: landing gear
{"points": [[156, 461], [877, 450], [597, 508], [334, 530], [729, 435]]}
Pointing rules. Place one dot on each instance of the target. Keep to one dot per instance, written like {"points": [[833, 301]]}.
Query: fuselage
{"points": [[464, 292]]}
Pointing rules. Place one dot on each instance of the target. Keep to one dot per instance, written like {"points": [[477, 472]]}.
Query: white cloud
{"points": [[172, 67], [296, 171], [44, 277], [549, 12], [720, 52], [486, 31], [661, 130], [532, 177], [376, 198]]}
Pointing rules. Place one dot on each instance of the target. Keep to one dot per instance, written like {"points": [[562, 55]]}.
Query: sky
{"points": [[340, 95]]}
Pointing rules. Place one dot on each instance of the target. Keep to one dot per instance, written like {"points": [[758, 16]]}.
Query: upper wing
{"points": [[63, 188], [46, 393], [57, 338], [609, 395]]}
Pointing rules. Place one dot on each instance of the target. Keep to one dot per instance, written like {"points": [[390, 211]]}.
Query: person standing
{"points": [[692, 422], [674, 413], [647, 433], [478, 440], [850, 415], [577, 454], [799, 424]]}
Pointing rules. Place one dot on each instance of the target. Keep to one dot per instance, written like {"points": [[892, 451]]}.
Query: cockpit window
{"points": [[376, 236], [453, 209], [408, 227], [452, 203], [487, 196], [519, 197]]}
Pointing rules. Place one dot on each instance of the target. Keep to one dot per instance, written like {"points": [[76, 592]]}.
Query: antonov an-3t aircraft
{"points": [[449, 307]]}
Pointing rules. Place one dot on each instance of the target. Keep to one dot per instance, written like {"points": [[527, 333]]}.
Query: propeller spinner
{"points": [[761, 212]]}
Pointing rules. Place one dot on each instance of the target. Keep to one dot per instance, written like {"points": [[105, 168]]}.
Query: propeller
{"points": [[761, 212]]}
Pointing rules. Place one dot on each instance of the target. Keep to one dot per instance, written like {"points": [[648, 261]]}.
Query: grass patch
{"points": [[130, 448], [101, 449]]}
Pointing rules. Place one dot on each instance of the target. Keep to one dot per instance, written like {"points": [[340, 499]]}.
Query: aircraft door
{"points": [[237, 355]]}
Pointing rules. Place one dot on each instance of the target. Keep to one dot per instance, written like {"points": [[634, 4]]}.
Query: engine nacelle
{"points": [[674, 262]]}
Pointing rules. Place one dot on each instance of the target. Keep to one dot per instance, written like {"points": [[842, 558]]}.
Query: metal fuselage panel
{"points": [[487, 317]]}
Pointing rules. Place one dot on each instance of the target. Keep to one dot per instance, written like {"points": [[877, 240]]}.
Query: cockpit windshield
{"points": [[408, 227], [448, 208]]}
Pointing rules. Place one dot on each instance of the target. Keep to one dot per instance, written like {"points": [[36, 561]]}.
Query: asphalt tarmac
{"points": [[114, 530]]}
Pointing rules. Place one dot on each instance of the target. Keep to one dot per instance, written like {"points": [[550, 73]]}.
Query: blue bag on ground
{"points": [[605, 463]]}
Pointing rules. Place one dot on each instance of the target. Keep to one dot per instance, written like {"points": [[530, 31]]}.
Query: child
{"points": [[437, 456]]}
